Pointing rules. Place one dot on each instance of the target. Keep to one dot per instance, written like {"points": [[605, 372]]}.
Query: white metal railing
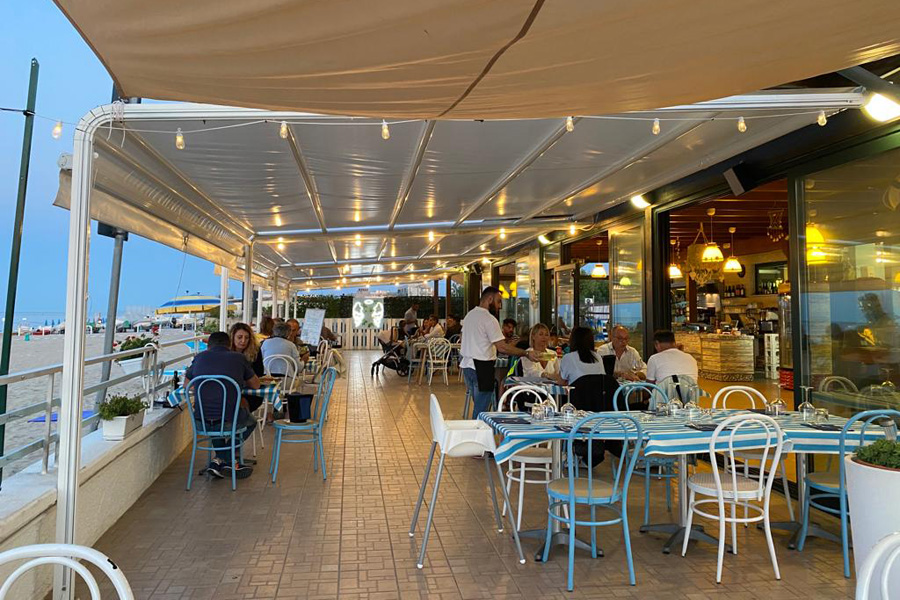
{"points": [[357, 339], [151, 374]]}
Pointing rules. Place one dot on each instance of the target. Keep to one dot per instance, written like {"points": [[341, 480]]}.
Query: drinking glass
{"points": [[821, 415]]}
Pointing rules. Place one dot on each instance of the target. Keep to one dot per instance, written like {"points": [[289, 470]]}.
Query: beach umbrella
{"points": [[183, 305]]}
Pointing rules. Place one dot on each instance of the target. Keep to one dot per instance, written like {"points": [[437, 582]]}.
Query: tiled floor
{"points": [[347, 537]]}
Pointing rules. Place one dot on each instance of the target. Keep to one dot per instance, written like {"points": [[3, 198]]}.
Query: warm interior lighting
{"points": [[357, 217], [280, 246], [485, 261], [572, 229], [358, 240], [430, 236], [542, 239], [570, 124], [625, 281], [712, 253], [675, 272], [655, 129], [881, 108], [822, 120], [385, 132], [278, 221], [502, 234], [179, 139], [57, 130], [393, 266], [814, 235], [283, 131], [742, 125], [598, 272], [638, 201], [732, 265]]}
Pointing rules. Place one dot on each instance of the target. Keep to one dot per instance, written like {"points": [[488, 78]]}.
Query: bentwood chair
{"points": [[593, 492], [664, 465], [884, 555], [67, 555], [728, 489], [837, 383], [824, 487], [306, 433], [750, 396], [438, 358], [280, 363], [535, 460], [459, 439], [207, 430]]}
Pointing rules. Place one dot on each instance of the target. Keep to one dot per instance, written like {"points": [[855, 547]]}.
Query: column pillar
{"points": [[248, 281]]}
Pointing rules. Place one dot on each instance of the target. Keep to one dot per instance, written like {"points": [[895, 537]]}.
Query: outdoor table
{"points": [[421, 348], [269, 393], [668, 436]]}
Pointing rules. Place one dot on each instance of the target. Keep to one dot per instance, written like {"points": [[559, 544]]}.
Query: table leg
{"points": [[813, 530], [421, 365]]}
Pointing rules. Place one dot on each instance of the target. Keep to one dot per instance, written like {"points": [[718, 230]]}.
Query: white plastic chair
{"points": [[883, 554], [537, 459], [751, 395], [838, 384], [438, 358], [458, 439], [737, 490], [67, 555]]}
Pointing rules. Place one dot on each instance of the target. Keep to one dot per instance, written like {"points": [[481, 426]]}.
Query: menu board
{"points": [[312, 326]]}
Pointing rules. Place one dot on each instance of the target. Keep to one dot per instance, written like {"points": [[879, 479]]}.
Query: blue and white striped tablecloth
{"points": [[269, 393], [671, 436], [554, 388]]}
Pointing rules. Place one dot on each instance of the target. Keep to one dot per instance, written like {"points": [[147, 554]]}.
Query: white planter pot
{"points": [[131, 365], [119, 428], [873, 494]]}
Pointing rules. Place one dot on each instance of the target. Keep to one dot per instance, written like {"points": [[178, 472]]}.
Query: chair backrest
{"points": [[322, 347], [459, 438], [626, 391], [742, 392], [883, 554], [866, 418], [732, 433], [288, 365], [67, 555], [438, 350], [455, 338], [594, 429], [838, 384], [521, 397], [201, 413], [594, 392], [323, 395], [676, 386]]}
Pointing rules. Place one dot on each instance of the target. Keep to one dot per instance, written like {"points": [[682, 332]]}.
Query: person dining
{"points": [[669, 359], [453, 327], [265, 329], [294, 337], [244, 341], [582, 359], [539, 339], [509, 331], [279, 344], [628, 360]]}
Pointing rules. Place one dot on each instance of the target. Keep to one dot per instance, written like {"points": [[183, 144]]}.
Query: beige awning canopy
{"points": [[475, 58]]}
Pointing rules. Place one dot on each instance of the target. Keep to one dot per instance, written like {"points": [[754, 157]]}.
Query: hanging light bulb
{"points": [[572, 229], [502, 234], [179, 139], [283, 132], [393, 266], [732, 265], [570, 124], [57, 130], [343, 280], [430, 236], [358, 240], [625, 281], [385, 132], [741, 125], [655, 128], [280, 246], [674, 269], [598, 272], [822, 119]]}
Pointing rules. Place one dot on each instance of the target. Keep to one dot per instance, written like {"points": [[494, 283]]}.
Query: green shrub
{"points": [[881, 453], [120, 406], [132, 342]]}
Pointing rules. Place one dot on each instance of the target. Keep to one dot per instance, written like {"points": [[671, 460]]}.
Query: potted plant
{"points": [[873, 490], [121, 415], [132, 364]]}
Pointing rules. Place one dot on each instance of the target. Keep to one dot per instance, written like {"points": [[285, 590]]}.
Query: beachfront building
{"points": [[551, 174]]}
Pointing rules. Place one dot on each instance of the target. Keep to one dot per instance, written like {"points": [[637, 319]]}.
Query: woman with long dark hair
{"points": [[582, 359], [244, 341]]}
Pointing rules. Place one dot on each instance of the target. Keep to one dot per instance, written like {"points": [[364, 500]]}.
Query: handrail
{"points": [[151, 373]]}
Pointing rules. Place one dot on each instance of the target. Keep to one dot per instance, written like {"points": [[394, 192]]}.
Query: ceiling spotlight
{"points": [[543, 240], [881, 108], [502, 233], [572, 229], [280, 245], [358, 241], [638, 201], [430, 236]]}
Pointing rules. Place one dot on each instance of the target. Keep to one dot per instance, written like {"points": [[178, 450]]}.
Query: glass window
{"points": [[593, 291], [523, 298], [626, 283], [851, 271]]}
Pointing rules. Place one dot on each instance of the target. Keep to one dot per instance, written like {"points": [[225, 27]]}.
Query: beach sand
{"points": [[41, 351]]}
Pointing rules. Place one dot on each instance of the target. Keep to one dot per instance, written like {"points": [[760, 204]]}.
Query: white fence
{"points": [[357, 339]]}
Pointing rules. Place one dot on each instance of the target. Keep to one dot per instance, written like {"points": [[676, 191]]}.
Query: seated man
{"points": [[219, 359], [431, 328], [628, 360], [509, 331], [302, 349], [669, 359], [453, 327], [279, 344]]}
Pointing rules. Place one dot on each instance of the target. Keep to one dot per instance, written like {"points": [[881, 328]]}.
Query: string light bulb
{"points": [[822, 120], [502, 234], [57, 130], [570, 124], [280, 245], [655, 128], [283, 132], [358, 240], [179, 139], [430, 236], [572, 229], [385, 132], [741, 125], [393, 266]]}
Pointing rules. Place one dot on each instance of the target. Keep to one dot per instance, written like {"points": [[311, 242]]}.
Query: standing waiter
{"points": [[481, 339]]}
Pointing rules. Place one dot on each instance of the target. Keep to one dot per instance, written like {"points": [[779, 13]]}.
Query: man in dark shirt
{"points": [[453, 327], [218, 359]]}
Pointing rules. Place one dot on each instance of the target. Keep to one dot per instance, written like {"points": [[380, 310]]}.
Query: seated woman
{"points": [[244, 341], [582, 359], [265, 329], [539, 337]]}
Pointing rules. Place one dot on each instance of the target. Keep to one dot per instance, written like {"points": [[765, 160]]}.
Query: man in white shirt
{"points": [[481, 339], [628, 360], [411, 318], [669, 360]]}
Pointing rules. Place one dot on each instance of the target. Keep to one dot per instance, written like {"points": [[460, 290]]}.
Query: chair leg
{"points": [[690, 521], [570, 583], [253, 439], [321, 455], [770, 542], [509, 508], [747, 476], [233, 470], [593, 532], [508, 487], [546, 555], [276, 455], [434, 495], [668, 471], [646, 492], [628, 557], [490, 477], [191, 468], [787, 492], [521, 497], [412, 526], [804, 520], [845, 535], [734, 526], [721, 552]]}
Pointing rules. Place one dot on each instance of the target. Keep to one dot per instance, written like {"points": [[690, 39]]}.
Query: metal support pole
{"points": [[435, 298], [72, 387], [223, 300], [248, 282], [275, 296], [292, 298], [111, 309], [259, 300], [18, 226]]}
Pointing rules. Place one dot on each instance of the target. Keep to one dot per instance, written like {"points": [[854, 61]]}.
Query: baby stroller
{"points": [[393, 358]]}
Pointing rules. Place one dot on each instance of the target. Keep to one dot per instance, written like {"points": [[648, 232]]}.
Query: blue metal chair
{"points": [[592, 491], [664, 465], [307, 432], [827, 485], [205, 433]]}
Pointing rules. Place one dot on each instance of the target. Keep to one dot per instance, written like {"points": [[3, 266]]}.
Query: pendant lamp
{"points": [[598, 272], [674, 269], [732, 265], [712, 253]]}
